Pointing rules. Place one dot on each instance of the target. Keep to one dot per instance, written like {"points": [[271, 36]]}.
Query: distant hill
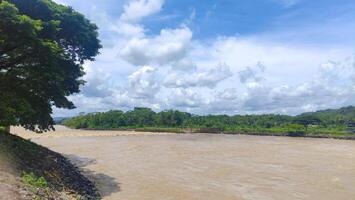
{"points": [[345, 115], [59, 120]]}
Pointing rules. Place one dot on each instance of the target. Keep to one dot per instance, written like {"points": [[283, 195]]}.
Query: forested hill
{"points": [[334, 116], [328, 121]]}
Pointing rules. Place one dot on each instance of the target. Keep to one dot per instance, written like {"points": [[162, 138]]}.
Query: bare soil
{"points": [[11, 186]]}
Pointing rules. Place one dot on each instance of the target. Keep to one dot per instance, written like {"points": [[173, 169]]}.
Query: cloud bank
{"points": [[171, 69]]}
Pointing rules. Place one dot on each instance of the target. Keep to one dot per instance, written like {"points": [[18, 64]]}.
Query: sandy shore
{"points": [[210, 167], [62, 131]]}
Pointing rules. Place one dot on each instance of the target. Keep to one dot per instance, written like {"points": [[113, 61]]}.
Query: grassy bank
{"points": [[296, 131], [44, 173], [344, 136], [262, 132]]}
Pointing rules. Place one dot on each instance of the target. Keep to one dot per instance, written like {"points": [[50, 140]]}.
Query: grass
{"points": [[316, 132]]}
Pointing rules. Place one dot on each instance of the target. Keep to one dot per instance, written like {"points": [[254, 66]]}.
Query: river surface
{"points": [[212, 167]]}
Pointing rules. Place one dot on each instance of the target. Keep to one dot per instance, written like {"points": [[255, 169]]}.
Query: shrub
{"points": [[32, 180]]}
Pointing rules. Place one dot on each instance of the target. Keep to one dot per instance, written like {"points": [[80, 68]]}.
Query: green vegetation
{"points": [[43, 46], [38, 185], [336, 123], [34, 181]]}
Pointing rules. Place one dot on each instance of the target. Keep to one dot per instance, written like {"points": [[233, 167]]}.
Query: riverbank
{"points": [[163, 131], [302, 135], [31, 171], [342, 136], [62, 131]]}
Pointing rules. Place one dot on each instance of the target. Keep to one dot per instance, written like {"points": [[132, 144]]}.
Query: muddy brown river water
{"points": [[211, 167]]}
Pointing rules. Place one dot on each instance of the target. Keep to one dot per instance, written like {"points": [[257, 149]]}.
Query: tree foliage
{"points": [[145, 117], [42, 48]]}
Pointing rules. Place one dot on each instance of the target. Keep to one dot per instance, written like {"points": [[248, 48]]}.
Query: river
{"points": [[210, 167]]}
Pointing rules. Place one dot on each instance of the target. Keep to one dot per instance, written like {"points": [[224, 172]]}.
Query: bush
{"points": [[32, 180]]}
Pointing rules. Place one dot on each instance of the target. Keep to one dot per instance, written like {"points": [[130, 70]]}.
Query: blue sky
{"points": [[220, 57], [214, 18]]}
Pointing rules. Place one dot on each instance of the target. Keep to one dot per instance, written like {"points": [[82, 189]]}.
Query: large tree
{"points": [[43, 46]]}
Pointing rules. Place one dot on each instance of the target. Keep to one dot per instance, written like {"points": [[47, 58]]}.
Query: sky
{"points": [[219, 56]]}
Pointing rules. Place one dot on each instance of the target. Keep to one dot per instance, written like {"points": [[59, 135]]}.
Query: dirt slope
{"points": [[18, 156]]}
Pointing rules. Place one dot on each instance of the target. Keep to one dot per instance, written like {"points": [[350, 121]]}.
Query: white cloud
{"points": [[127, 29], [192, 84], [331, 86], [208, 78], [184, 65], [137, 9], [143, 83], [96, 82], [184, 99], [171, 45], [284, 61], [226, 101], [252, 74]]}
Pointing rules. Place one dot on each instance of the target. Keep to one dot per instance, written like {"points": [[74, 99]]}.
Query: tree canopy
{"points": [[43, 46], [331, 121]]}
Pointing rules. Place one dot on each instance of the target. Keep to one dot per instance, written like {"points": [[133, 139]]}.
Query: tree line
{"points": [[338, 120]]}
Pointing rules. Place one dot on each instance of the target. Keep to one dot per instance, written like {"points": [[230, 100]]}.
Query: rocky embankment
{"points": [[59, 179]]}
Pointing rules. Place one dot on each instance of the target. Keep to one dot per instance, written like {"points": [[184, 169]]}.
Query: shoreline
{"points": [[320, 136], [63, 131], [183, 131]]}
